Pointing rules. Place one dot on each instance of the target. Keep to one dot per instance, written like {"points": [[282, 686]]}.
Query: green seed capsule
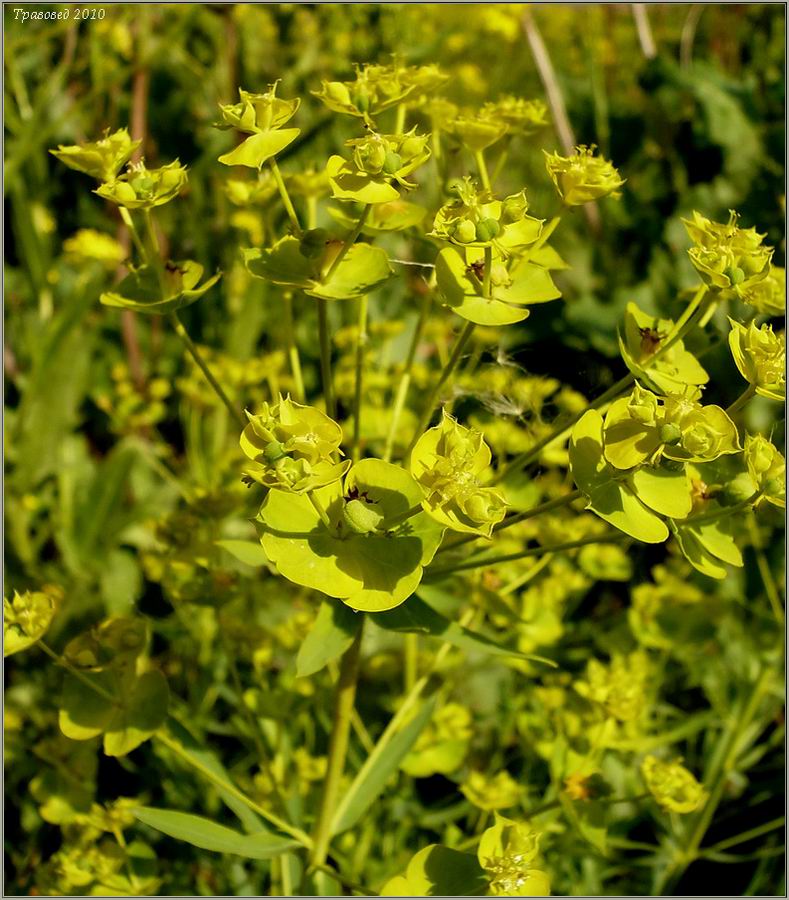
{"points": [[361, 517], [412, 146], [392, 163], [736, 275], [465, 232], [670, 433], [487, 229]]}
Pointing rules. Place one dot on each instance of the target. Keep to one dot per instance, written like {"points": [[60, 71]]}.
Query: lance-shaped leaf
{"points": [[141, 290], [610, 495], [362, 269], [210, 835], [371, 571], [331, 634]]}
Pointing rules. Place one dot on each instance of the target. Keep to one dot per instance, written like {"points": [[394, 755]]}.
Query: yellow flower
{"points": [[760, 355], [727, 257], [672, 785], [447, 462], [767, 469], [102, 159], [499, 792], [508, 852], [582, 177]]}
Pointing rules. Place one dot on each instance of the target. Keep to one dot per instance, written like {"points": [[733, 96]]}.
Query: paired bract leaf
{"points": [[709, 545], [142, 290], [362, 269], [373, 571], [438, 871], [643, 338], [138, 709], [512, 290], [610, 495]]}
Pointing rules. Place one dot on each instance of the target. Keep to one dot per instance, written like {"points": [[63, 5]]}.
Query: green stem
{"points": [[229, 788], [523, 554], [286, 201], [683, 325], [200, 362], [350, 240], [721, 513], [361, 345], [338, 747], [61, 661], [747, 835], [548, 506], [129, 223], [325, 347], [744, 397], [405, 378], [318, 506], [723, 762], [479, 158], [487, 272], [449, 368], [400, 716], [411, 661], [525, 459], [770, 587], [293, 350], [400, 118]]}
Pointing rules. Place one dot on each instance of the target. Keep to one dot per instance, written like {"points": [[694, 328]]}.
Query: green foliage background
{"points": [[91, 447]]}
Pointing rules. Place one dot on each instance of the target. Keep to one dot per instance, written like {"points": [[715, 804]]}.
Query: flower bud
{"points": [[465, 232], [393, 162], [739, 489]]}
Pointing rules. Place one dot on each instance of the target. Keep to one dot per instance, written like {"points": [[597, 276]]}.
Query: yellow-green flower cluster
{"points": [[447, 462], [767, 469], [672, 785], [475, 218], [376, 161], [760, 355], [620, 688], [582, 177], [101, 159], [499, 791], [261, 116], [292, 447], [643, 427], [508, 852], [27, 617], [143, 188], [379, 87], [727, 257], [768, 296]]}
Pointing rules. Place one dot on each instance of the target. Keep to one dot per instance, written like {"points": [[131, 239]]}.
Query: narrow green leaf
{"points": [[416, 616], [380, 766], [209, 835], [331, 634]]}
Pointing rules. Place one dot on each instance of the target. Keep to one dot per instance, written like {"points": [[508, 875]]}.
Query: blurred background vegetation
{"points": [[687, 101]]}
